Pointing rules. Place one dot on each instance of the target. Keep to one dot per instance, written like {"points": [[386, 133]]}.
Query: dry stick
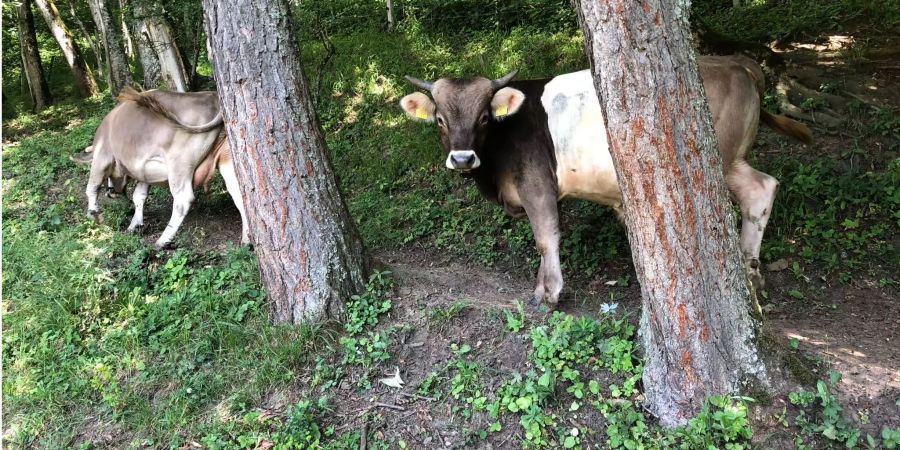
{"points": [[417, 396], [390, 406], [364, 435]]}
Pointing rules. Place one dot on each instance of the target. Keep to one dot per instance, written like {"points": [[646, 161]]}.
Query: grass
{"points": [[104, 336]]}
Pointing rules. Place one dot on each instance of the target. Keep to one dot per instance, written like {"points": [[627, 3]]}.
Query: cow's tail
{"points": [[129, 94], [85, 157], [787, 127]]}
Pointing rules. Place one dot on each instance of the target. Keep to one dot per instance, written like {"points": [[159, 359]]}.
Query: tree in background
{"points": [[157, 47], [310, 255], [31, 58], [697, 329], [84, 79], [118, 74]]}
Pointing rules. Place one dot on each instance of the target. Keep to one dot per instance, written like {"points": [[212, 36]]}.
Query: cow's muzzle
{"points": [[463, 160]]}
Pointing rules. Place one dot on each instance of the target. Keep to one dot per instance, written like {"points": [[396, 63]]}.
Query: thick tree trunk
{"points": [[118, 74], [31, 58], [84, 80], [697, 330], [145, 52], [309, 253], [158, 49]]}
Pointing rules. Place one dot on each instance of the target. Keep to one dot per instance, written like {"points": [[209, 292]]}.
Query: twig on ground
{"points": [[390, 406], [417, 396]]}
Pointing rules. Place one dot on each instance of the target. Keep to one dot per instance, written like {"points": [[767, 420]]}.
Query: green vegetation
{"points": [[103, 336]]}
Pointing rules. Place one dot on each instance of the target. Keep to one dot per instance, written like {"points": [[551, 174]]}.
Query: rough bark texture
{"points": [[696, 327], [118, 74], [31, 58], [159, 53], [309, 253], [84, 80], [89, 37]]}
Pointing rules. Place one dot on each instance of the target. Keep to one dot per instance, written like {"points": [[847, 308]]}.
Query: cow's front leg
{"points": [[755, 192], [543, 214], [182, 195], [231, 183], [139, 197]]}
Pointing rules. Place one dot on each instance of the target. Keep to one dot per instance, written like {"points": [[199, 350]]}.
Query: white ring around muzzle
{"points": [[467, 155]]}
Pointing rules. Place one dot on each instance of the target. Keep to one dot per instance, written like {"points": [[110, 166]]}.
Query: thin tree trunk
{"points": [[84, 80], [95, 49], [696, 327], [118, 74], [390, 14], [309, 253], [126, 36], [31, 58]]}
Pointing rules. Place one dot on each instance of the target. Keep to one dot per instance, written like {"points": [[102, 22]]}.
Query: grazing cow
{"points": [[529, 144], [148, 138]]}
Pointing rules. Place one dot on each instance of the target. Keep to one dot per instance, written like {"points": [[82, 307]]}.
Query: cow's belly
{"points": [[584, 167], [153, 170]]}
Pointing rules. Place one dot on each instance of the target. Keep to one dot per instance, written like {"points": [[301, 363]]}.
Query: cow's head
{"points": [[463, 108]]}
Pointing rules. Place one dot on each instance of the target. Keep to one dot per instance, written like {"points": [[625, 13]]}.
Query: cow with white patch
{"points": [[149, 138], [529, 144]]}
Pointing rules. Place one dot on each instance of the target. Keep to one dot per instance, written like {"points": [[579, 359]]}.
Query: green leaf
{"points": [[569, 442], [523, 402]]}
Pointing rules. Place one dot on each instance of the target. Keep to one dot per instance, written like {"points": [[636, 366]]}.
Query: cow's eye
{"points": [[440, 121], [484, 119]]}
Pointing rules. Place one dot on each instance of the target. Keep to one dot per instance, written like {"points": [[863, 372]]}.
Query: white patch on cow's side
{"points": [[584, 167], [462, 154]]}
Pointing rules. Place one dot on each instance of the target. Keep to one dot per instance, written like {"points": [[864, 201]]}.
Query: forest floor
{"points": [[108, 344]]}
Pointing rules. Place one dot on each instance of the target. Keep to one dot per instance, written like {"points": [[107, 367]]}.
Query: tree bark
{"points": [[31, 58], [95, 49], [118, 74], [698, 334], [156, 44], [310, 255], [84, 80], [146, 54]]}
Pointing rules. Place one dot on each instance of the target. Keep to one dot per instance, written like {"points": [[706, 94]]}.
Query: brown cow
{"points": [[529, 144], [147, 138]]}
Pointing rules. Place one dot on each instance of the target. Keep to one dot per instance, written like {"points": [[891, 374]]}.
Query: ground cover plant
{"points": [[109, 344]]}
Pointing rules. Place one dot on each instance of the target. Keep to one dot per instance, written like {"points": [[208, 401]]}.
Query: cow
{"points": [[149, 137], [529, 144]]}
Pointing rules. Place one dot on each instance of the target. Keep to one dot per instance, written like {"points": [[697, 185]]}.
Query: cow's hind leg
{"points": [[543, 214], [97, 177], [755, 192], [139, 197], [231, 183], [182, 195]]}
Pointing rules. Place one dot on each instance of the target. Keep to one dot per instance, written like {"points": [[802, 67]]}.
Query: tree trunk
{"points": [[95, 49], [159, 53], [118, 74], [390, 14], [146, 53], [84, 80], [698, 334], [31, 58], [309, 253]]}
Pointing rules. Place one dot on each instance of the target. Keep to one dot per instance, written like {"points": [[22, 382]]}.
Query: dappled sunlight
{"points": [[863, 372]]}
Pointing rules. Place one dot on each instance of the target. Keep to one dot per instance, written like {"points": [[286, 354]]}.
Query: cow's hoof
{"points": [[137, 229], [160, 246], [757, 280], [96, 216]]}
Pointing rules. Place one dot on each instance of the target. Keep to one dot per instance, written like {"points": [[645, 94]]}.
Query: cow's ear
{"points": [[506, 102], [418, 106]]}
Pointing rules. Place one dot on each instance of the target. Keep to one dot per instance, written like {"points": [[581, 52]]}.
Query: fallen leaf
{"points": [[394, 381], [611, 282]]}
